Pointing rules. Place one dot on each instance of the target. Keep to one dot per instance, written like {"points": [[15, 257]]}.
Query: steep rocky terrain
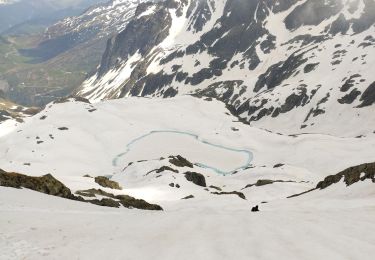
{"points": [[270, 61]]}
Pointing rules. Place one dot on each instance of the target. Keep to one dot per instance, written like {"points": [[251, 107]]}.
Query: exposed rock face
{"points": [[188, 197], [115, 201], [264, 182], [180, 161], [351, 175], [46, 184], [49, 185], [368, 97], [196, 178], [93, 192], [163, 169], [130, 202], [105, 202], [107, 183]]}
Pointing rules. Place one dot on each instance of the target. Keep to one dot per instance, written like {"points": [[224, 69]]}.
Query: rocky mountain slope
{"points": [[291, 66]]}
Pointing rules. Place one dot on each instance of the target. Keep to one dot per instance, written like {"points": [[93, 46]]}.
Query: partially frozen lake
{"points": [[156, 144]]}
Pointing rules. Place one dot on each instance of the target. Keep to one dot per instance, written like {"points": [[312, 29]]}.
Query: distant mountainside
{"points": [[14, 13], [91, 27], [41, 67], [286, 65]]}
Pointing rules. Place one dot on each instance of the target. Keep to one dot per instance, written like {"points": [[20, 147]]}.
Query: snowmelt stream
{"points": [[248, 154]]}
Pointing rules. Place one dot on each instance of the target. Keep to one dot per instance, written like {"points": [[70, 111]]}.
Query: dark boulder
{"points": [[180, 161], [46, 184], [188, 197], [255, 209], [130, 202], [196, 178]]}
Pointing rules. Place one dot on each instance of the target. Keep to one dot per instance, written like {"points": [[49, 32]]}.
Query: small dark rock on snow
{"points": [[196, 178], [180, 161], [255, 209], [188, 197]]}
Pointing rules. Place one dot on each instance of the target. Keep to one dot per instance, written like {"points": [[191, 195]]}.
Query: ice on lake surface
{"points": [[151, 146]]}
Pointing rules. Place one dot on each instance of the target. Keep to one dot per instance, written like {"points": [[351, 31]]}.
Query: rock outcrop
{"points": [[351, 176], [239, 194], [264, 182], [117, 200], [46, 184], [196, 178], [180, 161], [107, 183]]}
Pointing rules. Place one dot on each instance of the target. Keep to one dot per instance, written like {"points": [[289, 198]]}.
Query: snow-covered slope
{"points": [[286, 65], [131, 140], [75, 138], [313, 228]]}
